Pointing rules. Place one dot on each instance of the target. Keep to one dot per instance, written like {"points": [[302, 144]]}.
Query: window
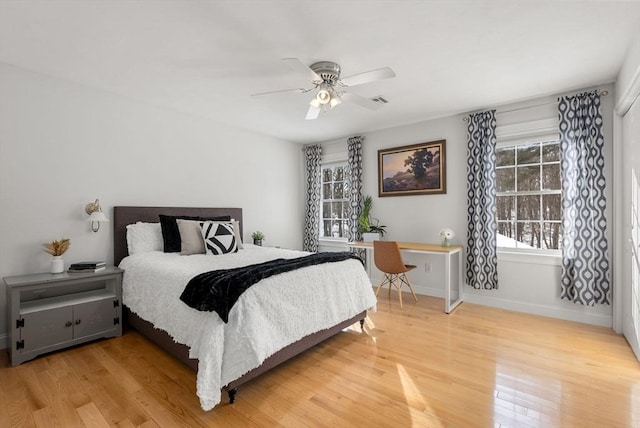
{"points": [[335, 202], [529, 196]]}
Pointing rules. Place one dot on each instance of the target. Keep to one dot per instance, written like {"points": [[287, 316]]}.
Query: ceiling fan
{"points": [[330, 88]]}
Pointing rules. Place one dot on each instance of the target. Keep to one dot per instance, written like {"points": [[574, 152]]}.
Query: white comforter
{"points": [[272, 314]]}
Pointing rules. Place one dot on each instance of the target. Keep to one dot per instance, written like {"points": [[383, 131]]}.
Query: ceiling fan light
{"points": [[323, 96], [314, 102], [334, 101]]}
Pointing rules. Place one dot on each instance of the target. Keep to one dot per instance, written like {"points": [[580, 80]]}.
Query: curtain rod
{"points": [[466, 118]]}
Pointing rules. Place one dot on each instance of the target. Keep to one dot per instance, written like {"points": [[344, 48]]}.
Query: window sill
{"points": [[530, 258], [333, 242]]}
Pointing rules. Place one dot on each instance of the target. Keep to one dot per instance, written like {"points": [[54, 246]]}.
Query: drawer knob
{"points": [[78, 322], [68, 324]]}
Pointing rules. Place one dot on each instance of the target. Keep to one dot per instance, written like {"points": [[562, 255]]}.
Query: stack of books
{"points": [[87, 267]]}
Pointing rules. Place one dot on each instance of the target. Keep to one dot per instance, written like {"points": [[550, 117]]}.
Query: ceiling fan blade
{"points": [[297, 90], [302, 68], [312, 113], [361, 101], [368, 76]]}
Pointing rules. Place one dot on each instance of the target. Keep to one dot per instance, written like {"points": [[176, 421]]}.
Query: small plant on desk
{"points": [[368, 224]]}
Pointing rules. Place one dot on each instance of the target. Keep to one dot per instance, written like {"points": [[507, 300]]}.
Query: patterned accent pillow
{"points": [[219, 238]]}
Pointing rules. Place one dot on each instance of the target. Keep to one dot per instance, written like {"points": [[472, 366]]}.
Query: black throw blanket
{"points": [[219, 290]]}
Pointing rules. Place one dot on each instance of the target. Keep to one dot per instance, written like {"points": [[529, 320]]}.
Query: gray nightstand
{"points": [[46, 312]]}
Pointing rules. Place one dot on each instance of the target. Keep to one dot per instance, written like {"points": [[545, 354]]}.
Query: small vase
{"points": [[446, 242], [57, 264], [257, 242]]}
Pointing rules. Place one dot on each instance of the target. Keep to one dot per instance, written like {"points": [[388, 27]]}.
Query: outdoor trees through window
{"points": [[529, 196], [335, 202]]}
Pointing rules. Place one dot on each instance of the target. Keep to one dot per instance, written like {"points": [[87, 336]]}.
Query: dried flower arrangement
{"points": [[57, 248]]}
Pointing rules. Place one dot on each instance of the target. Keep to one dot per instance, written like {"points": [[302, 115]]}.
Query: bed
{"points": [[199, 346]]}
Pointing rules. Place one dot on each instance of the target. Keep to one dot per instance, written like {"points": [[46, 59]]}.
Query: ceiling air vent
{"points": [[379, 99]]}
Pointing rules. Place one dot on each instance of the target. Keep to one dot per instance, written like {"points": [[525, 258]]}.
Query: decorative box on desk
{"points": [[47, 312]]}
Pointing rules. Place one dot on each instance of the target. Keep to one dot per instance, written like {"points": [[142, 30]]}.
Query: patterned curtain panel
{"points": [[482, 254], [313, 157], [354, 177], [585, 260]]}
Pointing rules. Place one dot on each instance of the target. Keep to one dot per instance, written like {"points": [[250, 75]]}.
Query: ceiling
{"points": [[206, 57]]}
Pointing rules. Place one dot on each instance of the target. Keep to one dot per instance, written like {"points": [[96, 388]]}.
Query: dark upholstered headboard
{"points": [[123, 216]]}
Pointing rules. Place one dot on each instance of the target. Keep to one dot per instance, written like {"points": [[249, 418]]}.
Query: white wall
{"points": [[629, 72], [63, 145], [532, 284], [528, 284], [627, 172]]}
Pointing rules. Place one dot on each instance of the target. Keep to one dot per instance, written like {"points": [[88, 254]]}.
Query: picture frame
{"points": [[417, 169]]}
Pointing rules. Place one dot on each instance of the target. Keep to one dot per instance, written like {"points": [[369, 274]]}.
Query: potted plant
{"points": [[369, 227], [57, 249], [257, 237]]}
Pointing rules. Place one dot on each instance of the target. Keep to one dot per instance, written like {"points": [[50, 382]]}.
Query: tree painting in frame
{"points": [[418, 169]]}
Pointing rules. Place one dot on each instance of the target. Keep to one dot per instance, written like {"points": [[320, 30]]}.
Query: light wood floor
{"points": [[478, 367]]}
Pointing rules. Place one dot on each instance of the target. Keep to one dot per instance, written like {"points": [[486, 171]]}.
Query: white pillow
{"points": [[144, 237], [236, 230]]}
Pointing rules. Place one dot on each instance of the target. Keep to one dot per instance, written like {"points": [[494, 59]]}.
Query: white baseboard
{"points": [[428, 291], [4, 338], [423, 290], [517, 306], [546, 311]]}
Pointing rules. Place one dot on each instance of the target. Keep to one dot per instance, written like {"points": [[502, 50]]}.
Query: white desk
{"points": [[453, 295]]}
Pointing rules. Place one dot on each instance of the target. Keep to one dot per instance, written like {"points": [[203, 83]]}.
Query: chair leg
{"points": [[396, 280], [384, 280], [405, 279]]}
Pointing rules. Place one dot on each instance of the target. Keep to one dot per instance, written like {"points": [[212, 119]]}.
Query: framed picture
{"points": [[418, 169]]}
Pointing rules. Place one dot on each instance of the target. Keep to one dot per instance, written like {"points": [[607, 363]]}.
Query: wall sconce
{"points": [[96, 216]]}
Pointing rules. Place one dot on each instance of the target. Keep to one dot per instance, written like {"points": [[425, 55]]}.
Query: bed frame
{"points": [[123, 216]]}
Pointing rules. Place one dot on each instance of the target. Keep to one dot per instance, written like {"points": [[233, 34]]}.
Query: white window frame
{"points": [[324, 165], [539, 131]]}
